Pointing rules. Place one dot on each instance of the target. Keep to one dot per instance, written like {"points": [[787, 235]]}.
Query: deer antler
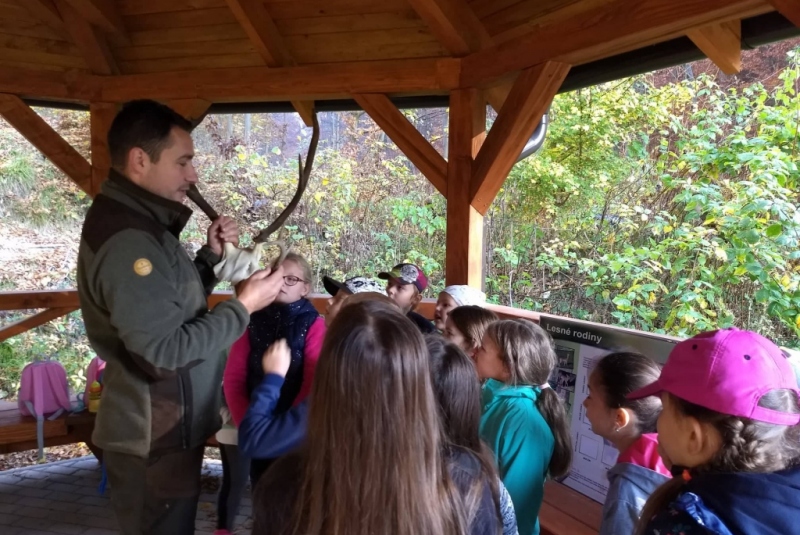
{"points": [[238, 264]]}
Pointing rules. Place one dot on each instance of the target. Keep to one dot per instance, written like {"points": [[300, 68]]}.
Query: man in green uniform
{"points": [[144, 305]]}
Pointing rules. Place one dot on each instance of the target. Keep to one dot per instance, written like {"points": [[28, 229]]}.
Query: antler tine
{"points": [[305, 173]]}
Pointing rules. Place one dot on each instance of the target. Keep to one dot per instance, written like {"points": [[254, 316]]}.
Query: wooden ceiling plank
{"points": [[609, 26], [454, 24], [789, 9], [532, 93], [259, 26], [195, 18], [89, 40], [36, 130], [721, 43], [407, 138], [103, 14], [145, 7]]}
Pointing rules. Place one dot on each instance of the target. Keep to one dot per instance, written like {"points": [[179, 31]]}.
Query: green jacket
{"points": [[523, 444], [144, 305]]}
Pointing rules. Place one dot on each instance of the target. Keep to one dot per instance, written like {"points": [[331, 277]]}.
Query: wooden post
{"points": [[101, 115], [464, 254]]}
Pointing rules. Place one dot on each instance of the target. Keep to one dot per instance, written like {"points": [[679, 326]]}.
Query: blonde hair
{"points": [[303, 263], [472, 321]]}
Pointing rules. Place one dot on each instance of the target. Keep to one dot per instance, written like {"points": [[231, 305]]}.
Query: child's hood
{"points": [[641, 481], [767, 504]]}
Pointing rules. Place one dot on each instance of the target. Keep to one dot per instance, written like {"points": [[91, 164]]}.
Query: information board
{"points": [[579, 345]]}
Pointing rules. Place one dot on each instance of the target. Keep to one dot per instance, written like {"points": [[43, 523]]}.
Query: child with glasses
{"points": [[291, 317]]}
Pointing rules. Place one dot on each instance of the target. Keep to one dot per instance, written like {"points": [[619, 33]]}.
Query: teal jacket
{"points": [[523, 445]]}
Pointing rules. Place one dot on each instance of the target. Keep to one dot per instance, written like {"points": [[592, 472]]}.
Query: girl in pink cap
{"points": [[730, 429]]}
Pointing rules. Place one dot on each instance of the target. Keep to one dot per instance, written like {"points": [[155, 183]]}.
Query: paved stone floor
{"points": [[62, 497]]}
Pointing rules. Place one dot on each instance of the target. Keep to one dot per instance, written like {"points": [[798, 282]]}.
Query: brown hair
{"points": [[621, 373], [458, 392], [472, 321], [301, 261], [747, 446], [528, 355], [374, 453]]}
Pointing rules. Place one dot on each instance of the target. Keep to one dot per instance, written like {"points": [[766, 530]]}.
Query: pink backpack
{"points": [[43, 392], [93, 373]]}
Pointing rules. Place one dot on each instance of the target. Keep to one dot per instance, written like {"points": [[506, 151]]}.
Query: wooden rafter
{"points": [[789, 9], [45, 11], [461, 32], [464, 246], [454, 24], [722, 43], [103, 14], [101, 115], [406, 137], [260, 28], [530, 97], [589, 35], [89, 40], [33, 321], [48, 141]]}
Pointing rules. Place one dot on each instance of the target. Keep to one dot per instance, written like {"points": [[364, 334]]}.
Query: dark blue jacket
{"points": [[734, 504], [264, 433]]}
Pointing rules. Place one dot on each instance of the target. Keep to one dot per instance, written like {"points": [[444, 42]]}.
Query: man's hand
{"points": [[222, 230], [260, 289], [277, 358]]}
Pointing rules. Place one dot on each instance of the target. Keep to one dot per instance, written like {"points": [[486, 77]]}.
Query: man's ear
{"points": [[138, 163]]}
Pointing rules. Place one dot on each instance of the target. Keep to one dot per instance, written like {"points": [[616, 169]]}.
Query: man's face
{"points": [[405, 295], [172, 175]]}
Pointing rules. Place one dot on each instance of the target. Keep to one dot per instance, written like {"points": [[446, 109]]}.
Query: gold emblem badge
{"points": [[142, 267]]}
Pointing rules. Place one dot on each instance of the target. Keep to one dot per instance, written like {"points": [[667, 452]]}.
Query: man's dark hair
{"points": [[145, 124]]}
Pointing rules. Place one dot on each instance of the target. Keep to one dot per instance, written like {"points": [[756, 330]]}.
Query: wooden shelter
{"points": [[202, 56]]}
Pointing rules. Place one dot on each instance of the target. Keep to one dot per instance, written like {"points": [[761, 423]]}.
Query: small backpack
{"points": [[43, 393], [93, 373]]}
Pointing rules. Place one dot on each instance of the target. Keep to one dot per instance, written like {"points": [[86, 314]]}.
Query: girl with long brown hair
{"points": [[524, 421], [466, 325], [375, 460]]}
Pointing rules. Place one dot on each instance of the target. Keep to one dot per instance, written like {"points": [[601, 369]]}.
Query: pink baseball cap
{"points": [[727, 371]]}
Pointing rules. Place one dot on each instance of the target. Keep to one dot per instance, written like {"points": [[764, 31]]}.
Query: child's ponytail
{"points": [[528, 354], [552, 409]]}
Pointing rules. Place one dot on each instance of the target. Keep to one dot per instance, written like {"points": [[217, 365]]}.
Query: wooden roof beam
{"points": [[406, 137], [722, 43], [589, 35], [103, 14], [193, 110], [531, 95], [89, 40], [46, 140], [789, 9], [260, 28]]}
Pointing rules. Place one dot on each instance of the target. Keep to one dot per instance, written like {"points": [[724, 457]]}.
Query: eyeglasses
{"points": [[291, 280]]}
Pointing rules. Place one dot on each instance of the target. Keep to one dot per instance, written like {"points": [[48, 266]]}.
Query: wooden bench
{"points": [[567, 512], [18, 432]]}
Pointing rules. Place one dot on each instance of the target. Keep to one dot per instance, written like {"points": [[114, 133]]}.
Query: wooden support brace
{"points": [[89, 40], [257, 23], [722, 43], [45, 11], [406, 137], [789, 9], [464, 245], [193, 109], [529, 99], [101, 115], [34, 321], [48, 141], [39, 299]]}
